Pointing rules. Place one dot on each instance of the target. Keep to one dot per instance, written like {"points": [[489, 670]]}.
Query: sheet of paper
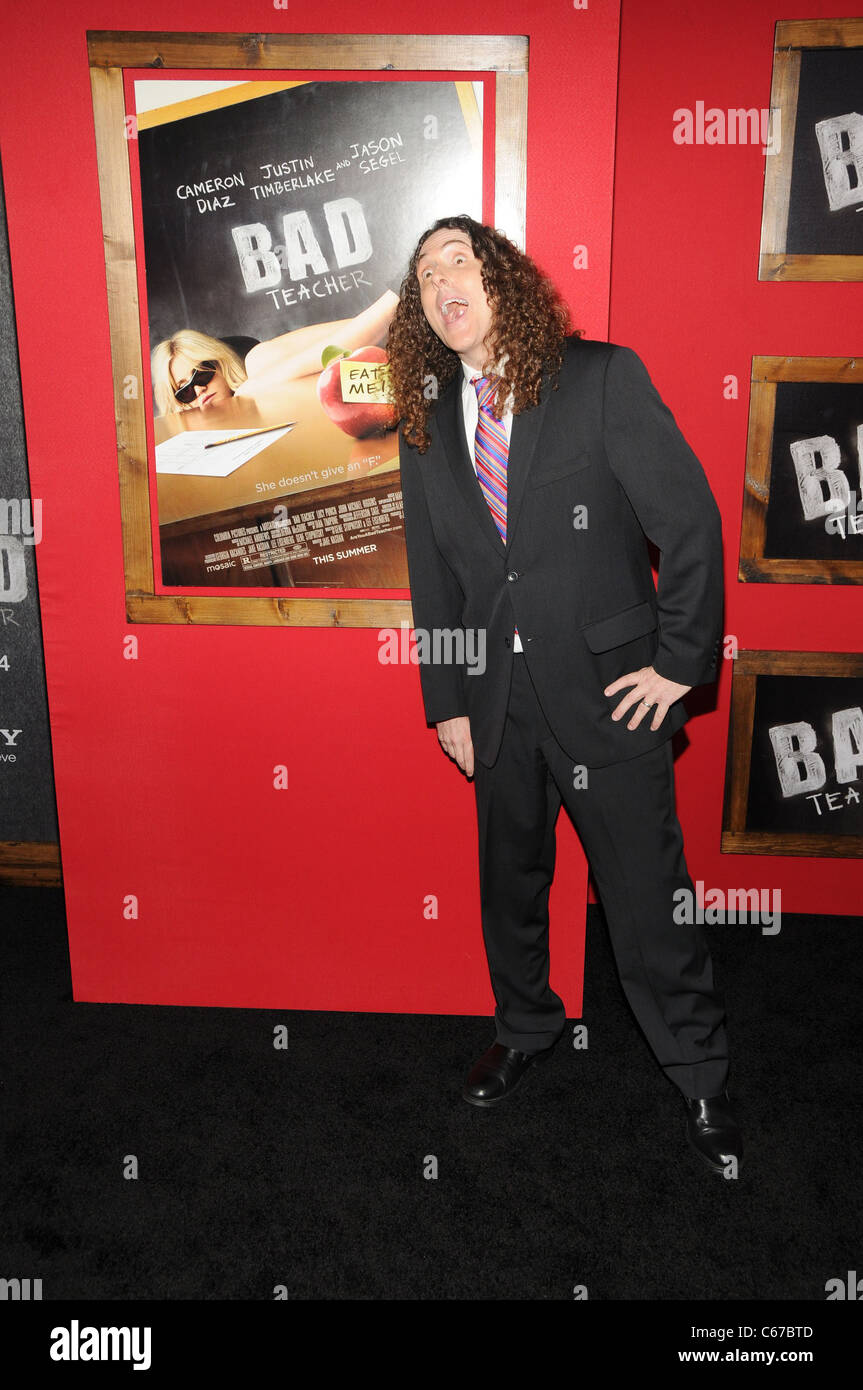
{"points": [[185, 453]]}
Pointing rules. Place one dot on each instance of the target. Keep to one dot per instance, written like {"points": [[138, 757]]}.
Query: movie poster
{"points": [[278, 219]]}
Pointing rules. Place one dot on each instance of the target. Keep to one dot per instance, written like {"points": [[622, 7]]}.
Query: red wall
{"points": [[313, 898]]}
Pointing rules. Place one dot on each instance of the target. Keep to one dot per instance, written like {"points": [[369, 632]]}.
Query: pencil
{"points": [[247, 434]]}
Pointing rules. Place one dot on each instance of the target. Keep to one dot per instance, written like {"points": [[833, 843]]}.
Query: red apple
{"points": [[359, 418]]}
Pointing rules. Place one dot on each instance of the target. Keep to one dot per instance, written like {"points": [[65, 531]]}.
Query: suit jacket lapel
{"points": [[450, 418], [522, 445], [525, 433]]}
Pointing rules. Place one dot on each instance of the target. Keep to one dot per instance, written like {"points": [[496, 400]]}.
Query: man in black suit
{"points": [[535, 466]]}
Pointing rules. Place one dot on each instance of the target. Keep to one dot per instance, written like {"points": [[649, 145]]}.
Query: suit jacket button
{"points": [[507, 642], [512, 576]]}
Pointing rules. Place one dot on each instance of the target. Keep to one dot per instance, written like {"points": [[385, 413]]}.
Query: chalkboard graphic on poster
{"points": [[812, 223], [803, 493], [794, 774], [263, 217], [300, 206]]}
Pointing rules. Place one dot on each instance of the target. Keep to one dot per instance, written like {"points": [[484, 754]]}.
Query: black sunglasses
{"points": [[201, 376]]}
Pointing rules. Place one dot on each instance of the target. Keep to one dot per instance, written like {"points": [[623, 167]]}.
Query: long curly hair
{"points": [[530, 323]]}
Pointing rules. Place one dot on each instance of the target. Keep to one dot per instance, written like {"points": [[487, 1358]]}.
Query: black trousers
{"points": [[626, 820]]}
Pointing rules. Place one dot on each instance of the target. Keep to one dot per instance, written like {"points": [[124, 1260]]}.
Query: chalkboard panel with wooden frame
{"points": [[109, 55], [795, 399], [794, 768], [817, 75]]}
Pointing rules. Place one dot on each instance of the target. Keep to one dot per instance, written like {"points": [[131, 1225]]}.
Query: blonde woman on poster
{"points": [[193, 371]]}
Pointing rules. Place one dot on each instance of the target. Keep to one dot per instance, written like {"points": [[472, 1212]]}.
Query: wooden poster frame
{"points": [[736, 839], [775, 262], [109, 54], [754, 566]]}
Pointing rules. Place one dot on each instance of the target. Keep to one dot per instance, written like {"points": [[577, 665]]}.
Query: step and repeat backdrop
{"points": [[251, 810], [795, 757]]}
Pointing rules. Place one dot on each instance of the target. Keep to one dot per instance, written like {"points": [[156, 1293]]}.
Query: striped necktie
{"points": [[491, 451]]}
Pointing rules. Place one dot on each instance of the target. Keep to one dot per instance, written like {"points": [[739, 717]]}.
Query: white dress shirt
{"points": [[470, 408]]}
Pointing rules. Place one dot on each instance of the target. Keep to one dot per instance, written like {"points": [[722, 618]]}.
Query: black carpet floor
{"points": [[306, 1168]]}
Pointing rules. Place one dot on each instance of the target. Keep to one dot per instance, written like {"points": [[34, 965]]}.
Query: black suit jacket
{"points": [[577, 584]]}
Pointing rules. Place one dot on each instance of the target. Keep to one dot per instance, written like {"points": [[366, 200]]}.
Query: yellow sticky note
{"points": [[365, 381]]}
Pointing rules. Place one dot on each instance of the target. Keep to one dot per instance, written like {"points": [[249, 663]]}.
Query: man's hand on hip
{"points": [[455, 740], [648, 690]]}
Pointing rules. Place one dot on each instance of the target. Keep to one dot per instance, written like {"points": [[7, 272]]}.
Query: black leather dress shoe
{"points": [[713, 1133], [498, 1072]]}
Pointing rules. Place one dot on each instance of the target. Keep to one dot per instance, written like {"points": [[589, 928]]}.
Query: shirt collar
{"points": [[471, 372]]}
